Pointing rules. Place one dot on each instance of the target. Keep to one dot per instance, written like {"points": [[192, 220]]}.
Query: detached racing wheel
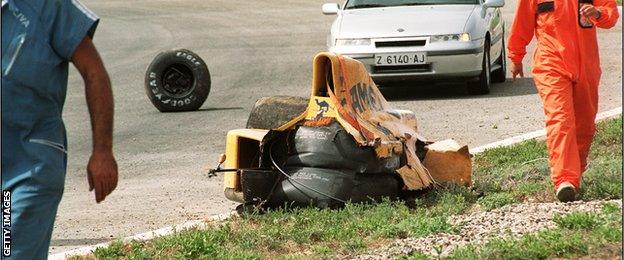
{"points": [[177, 80]]}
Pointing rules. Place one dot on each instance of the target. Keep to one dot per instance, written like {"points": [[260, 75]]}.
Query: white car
{"points": [[423, 39]]}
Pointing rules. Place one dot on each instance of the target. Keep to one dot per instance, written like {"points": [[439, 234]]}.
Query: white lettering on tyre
{"points": [[153, 83], [182, 102], [188, 57]]}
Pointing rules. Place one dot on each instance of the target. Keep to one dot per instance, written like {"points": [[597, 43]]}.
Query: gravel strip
{"points": [[479, 227]]}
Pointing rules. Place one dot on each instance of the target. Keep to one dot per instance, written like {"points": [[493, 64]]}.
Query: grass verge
{"points": [[521, 172], [300, 232], [501, 176]]}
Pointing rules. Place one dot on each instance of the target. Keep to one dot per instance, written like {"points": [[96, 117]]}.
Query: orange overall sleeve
{"points": [[608, 13], [522, 30]]}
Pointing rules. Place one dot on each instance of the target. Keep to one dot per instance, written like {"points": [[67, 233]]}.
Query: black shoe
{"points": [[566, 192]]}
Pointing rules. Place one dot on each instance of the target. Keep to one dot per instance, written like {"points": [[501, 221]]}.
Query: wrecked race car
{"points": [[343, 144]]}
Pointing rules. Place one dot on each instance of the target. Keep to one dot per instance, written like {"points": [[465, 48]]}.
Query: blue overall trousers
{"points": [[39, 38]]}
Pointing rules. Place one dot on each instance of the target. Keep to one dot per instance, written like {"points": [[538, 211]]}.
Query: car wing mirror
{"points": [[330, 8], [494, 3]]}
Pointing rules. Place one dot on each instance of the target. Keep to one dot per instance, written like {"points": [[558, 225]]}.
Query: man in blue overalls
{"points": [[39, 39]]}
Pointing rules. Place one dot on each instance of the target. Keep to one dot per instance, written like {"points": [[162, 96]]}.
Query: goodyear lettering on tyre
{"points": [[189, 57]]}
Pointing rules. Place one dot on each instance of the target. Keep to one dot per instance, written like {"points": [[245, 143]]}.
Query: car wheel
{"points": [[273, 112], [177, 80], [482, 85], [500, 75]]}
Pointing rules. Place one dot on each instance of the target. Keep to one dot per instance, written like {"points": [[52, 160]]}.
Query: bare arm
{"points": [[522, 31], [102, 168]]}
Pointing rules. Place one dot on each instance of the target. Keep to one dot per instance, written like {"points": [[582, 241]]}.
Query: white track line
{"points": [[143, 236], [537, 134], [198, 223]]}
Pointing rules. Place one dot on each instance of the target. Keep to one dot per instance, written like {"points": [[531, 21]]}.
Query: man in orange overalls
{"points": [[566, 71]]}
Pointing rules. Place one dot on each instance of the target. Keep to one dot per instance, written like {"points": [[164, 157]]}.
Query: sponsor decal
{"points": [[323, 106], [320, 107]]}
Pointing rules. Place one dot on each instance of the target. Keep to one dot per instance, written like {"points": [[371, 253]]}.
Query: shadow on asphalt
{"points": [[78, 241], [206, 109], [219, 108], [454, 90]]}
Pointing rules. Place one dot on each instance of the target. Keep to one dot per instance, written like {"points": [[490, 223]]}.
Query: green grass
{"points": [[577, 234], [496, 200], [301, 231], [516, 173], [501, 176]]}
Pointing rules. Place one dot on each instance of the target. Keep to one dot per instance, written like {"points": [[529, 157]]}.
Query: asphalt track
{"points": [[253, 49]]}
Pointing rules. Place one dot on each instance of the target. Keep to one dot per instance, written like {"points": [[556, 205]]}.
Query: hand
{"points": [[590, 11], [516, 69], [102, 174]]}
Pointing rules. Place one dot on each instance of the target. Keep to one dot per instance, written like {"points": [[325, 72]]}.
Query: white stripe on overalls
{"points": [[85, 10], [49, 143]]}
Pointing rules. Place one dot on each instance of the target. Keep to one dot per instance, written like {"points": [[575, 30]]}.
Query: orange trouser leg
{"points": [[585, 109], [557, 94]]}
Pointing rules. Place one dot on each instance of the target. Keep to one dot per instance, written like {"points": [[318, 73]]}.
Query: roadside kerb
{"points": [[537, 134], [197, 223], [144, 236]]}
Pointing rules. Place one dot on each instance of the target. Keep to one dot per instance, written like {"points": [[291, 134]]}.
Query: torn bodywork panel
{"points": [[352, 98], [348, 145]]}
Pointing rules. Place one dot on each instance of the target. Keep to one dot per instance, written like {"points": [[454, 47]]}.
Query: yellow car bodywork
{"points": [[243, 147]]}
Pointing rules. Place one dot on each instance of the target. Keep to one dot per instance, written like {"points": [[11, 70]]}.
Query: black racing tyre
{"points": [[331, 147], [500, 75], [272, 112], [482, 85], [177, 80], [329, 188]]}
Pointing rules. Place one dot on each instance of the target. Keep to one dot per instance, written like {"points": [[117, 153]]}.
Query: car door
{"points": [[495, 23], [488, 21], [496, 28]]}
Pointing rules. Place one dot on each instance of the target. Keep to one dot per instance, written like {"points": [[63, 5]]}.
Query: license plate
{"points": [[394, 59]]}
